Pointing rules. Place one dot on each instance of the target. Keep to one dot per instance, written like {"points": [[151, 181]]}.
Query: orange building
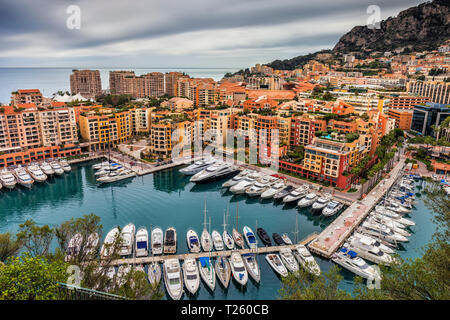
{"points": [[402, 119], [260, 103]]}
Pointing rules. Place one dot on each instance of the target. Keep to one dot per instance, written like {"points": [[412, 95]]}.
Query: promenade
{"points": [[332, 237]]}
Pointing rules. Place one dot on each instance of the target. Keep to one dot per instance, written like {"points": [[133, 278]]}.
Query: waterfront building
{"points": [[304, 128], [424, 117], [86, 82], [117, 82]]}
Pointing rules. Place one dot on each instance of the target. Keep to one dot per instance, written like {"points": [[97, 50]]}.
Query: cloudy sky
{"points": [[176, 33]]}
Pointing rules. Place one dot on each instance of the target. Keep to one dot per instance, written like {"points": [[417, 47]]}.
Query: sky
{"points": [[175, 33]]}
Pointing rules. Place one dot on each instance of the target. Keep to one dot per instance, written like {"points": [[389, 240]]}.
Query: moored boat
{"points": [[154, 273], [109, 243], [264, 236], [223, 271], [252, 266], [142, 242], [7, 179], [249, 237], [288, 259], [170, 240], [127, 235], [157, 241], [193, 241], [306, 260], [238, 269], [173, 278], [277, 265], [191, 275], [217, 240], [207, 273]]}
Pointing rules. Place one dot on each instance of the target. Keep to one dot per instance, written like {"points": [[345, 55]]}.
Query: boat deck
{"points": [[145, 260]]}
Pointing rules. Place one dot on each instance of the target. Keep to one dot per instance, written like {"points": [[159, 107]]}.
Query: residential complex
{"points": [[86, 82]]}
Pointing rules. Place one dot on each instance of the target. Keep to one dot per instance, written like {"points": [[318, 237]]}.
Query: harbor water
{"points": [[167, 198]]}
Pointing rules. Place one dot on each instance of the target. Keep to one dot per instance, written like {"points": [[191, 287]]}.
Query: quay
{"points": [[332, 237], [225, 253]]}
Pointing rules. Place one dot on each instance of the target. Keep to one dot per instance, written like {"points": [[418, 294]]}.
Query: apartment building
{"points": [[86, 82], [171, 83], [141, 120], [437, 92], [265, 83], [126, 82], [117, 83], [424, 117], [58, 127], [26, 96], [402, 103], [402, 119], [303, 129]]}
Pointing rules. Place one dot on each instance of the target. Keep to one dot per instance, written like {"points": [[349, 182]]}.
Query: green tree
{"points": [[8, 246], [34, 238]]}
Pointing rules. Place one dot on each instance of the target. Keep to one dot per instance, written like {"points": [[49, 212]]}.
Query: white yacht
{"points": [[238, 269], [248, 181], [296, 194], [191, 275], [321, 202], [306, 260], [332, 208], [207, 272], [217, 240], [395, 226], [92, 244], [286, 239], [252, 266], [127, 235], [47, 168], [107, 170], [108, 245], [223, 271], [173, 278], [122, 272], [142, 242], [7, 179], [157, 241], [393, 216], [249, 237], [197, 166], [228, 240], [216, 171], [74, 246], [193, 241], [65, 165], [275, 188], [307, 201], [393, 206], [369, 252], [36, 173], [382, 232], [356, 236], [288, 259], [170, 240], [23, 178], [56, 167], [259, 187], [283, 192], [100, 165], [277, 265], [118, 175], [237, 237], [236, 179], [206, 241], [154, 273], [350, 261]]}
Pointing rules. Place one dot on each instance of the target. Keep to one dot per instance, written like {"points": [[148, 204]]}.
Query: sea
{"points": [[52, 80], [168, 199]]}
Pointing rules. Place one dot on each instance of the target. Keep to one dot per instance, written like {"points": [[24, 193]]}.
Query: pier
{"points": [[212, 254], [332, 237]]}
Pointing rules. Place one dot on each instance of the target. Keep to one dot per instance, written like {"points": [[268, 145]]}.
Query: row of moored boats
{"points": [[27, 175], [108, 171]]}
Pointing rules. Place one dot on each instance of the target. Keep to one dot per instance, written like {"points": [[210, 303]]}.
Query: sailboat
{"points": [[227, 238], [223, 271], [237, 237], [205, 238], [207, 272]]}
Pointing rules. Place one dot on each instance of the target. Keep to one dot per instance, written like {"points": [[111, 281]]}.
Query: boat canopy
{"points": [[193, 240], [352, 254], [343, 250], [142, 245], [204, 261]]}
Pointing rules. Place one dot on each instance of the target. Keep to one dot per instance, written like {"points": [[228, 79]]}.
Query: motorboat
{"points": [[157, 241], [173, 278], [393, 206], [350, 260], [127, 235], [118, 175], [371, 241], [236, 179], [92, 244], [278, 239], [272, 190], [283, 193], [207, 272], [264, 236], [307, 201], [107, 170], [238, 269], [216, 171], [108, 246], [228, 240], [47, 168], [122, 272], [100, 165], [382, 232], [191, 275], [306, 260], [288, 259], [395, 226], [332, 208], [23, 178], [170, 240], [154, 273], [321, 202], [252, 266], [206, 240], [249, 237], [142, 242], [369, 252], [193, 241], [223, 271], [65, 165], [296, 194], [57, 167], [74, 247], [217, 240], [110, 274], [7, 179], [197, 166], [394, 216], [260, 186], [277, 265], [286, 239], [247, 181], [237, 237], [36, 173]]}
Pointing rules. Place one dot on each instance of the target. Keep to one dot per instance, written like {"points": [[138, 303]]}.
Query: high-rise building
{"points": [[424, 117], [171, 83], [117, 83], [86, 82], [438, 92]]}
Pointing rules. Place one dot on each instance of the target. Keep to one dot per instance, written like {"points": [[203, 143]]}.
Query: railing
{"points": [[70, 292]]}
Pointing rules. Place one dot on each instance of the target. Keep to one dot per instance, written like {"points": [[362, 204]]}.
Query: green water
{"points": [[167, 198]]}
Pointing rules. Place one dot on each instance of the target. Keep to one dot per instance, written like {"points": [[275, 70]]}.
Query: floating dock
{"points": [[332, 237], [146, 260]]}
